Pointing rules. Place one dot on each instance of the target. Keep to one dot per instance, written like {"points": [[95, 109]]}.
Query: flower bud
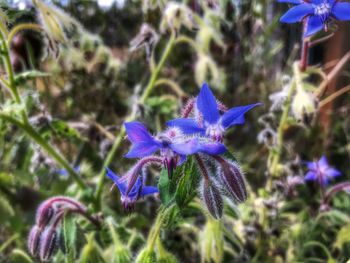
{"points": [[147, 37], [206, 68], [121, 255], [212, 199], [304, 106], [175, 16], [146, 256], [232, 180], [34, 240], [44, 214], [48, 243]]}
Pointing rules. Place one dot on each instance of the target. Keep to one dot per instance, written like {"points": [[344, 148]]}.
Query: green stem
{"points": [[275, 153], [149, 88], [35, 136]]}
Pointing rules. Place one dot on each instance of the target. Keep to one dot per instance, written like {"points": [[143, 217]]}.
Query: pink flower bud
{"points": [[48, 243], [34, 240], [212, 199]]}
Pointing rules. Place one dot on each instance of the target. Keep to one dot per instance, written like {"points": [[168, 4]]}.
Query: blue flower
{"points": [[317, 12], [213, 123], [137, 191], [169, 143], [321, 171]]}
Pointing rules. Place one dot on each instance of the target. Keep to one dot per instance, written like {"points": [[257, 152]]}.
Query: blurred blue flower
{"points": [[321, 171], [64, 173], [138, 190], [317, 12], [213, 124], [169, 142]]}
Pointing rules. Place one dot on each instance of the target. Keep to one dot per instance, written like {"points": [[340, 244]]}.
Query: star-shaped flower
{"points": [[321, 171], [138, 190], [171, 141], [317, 13], [213, 124]]}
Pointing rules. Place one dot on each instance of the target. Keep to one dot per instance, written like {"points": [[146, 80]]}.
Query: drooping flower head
{"points": [[172, 144], [321, 171], [210, 121], [137, 191], [318, 13]]}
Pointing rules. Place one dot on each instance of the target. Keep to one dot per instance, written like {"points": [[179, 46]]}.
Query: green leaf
{"points": [[187, 183], [164, 188], [69, 236], [19, 256], [62, 129], [343, 236], [6, 210], [31, 74]]}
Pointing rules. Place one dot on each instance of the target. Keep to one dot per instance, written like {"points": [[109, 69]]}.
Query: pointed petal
{"points": [[212, 148], [186, 148], [341, 11], [314, 24], [310, 176], [135, 189], [235, 115], [148, 190], [137, 132], [291, 1], [142, 149], [297, 13], [323, 163], [187, 126], [115, 178], [332, 173], [311, 165], [206, 104]]}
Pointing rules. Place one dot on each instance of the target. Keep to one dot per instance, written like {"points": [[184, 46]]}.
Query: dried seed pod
{"points": [[232, 179], [212, 199], [48, 243], [34, 240]]}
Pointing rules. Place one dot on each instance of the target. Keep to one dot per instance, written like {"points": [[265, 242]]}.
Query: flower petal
{"points": [[323, 163], [148, 190], [236, 115], [206, 104], [186, 148], [297, 13], [212, 148], [187, 126], [291, 1], [137, 132], [115, 178], [332, 173], [311, 165], [341, 11], [310, 176], [314, 24], [142, 149]]}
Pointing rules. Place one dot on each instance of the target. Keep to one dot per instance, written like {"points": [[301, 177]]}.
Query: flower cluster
{"points": [[200, 133], [317, 14], [43, 239]]}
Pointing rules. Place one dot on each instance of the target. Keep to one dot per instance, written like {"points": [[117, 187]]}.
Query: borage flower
{"points": [[318, 13], [210, 122], [137, 191], [321, 171], [172, 144]]}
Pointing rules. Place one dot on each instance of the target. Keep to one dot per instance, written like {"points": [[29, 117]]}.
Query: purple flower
{"points": [[137, 191], [321, 171], [173, 140], [317, 12], [211, 123], [172, 144]]}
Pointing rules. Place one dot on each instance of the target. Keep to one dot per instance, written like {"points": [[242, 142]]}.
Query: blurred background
{"points": [[95, 81]]}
